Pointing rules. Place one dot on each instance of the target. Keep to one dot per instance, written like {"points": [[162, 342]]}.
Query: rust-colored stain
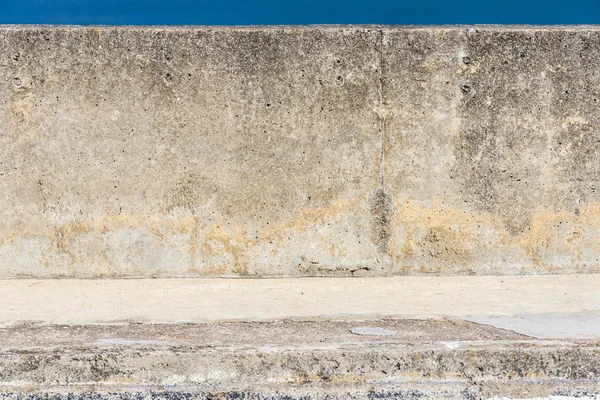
{"points": [[424, 240], [441, 240], [307, 218], [205, 241]]}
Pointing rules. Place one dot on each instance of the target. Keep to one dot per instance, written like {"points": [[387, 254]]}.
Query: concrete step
{"points": [[335, 359]]}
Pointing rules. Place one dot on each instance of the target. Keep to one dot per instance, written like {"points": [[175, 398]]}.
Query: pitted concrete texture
{"points": [[298, 151], [292, 360]]}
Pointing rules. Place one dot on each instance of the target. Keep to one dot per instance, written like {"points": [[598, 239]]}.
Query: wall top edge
{"points": [[486, 27]]}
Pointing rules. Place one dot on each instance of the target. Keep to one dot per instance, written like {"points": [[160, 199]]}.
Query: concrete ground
{"points": [[307, 338], [545, 306], [287, 359]]}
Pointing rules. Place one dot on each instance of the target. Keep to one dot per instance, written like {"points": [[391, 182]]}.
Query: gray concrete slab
{"points": [[548, 325]]}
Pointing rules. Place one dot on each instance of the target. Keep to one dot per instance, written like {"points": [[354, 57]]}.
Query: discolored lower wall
{"points": [[288, 151]]}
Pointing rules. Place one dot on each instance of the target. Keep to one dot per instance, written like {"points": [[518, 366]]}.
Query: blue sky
{"points": [[248, 12]]}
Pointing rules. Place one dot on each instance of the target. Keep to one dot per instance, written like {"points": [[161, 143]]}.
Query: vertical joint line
{"points": [[381, 202]]}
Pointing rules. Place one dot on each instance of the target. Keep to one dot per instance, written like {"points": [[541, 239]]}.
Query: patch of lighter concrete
{"points": [[583, 325], [371, 331]]}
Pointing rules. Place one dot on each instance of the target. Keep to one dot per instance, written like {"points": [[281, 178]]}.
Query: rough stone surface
{"points": [[298, 151], [291, 360], [287, 333], [326, 393]]}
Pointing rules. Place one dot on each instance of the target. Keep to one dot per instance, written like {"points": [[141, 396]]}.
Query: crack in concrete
{"points": [[381, 202]]}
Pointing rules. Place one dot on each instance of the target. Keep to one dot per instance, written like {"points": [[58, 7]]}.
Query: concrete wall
{"points": [[346, 151]]}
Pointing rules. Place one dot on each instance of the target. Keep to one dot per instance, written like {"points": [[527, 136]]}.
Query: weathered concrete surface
{"points": [[548, 306], [491, 149], [292, 360], [287, 151], [398, 393]]}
